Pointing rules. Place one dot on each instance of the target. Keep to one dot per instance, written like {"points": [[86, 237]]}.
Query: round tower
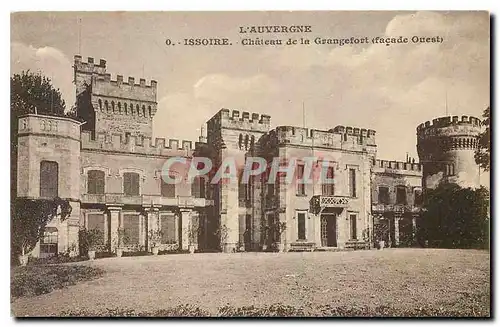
{"points": [[446, 149]]}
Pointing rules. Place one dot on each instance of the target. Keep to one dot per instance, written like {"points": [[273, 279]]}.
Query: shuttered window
{"points": [[49, 179], [95, 182], [131, 183]]}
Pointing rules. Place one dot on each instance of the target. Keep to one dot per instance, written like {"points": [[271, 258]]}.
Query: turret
{"points": [[446, 147]]}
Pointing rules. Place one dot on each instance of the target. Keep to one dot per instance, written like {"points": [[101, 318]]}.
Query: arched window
{"points": [[125, 107], [113, 106], [95, 182], [150, 113], [49, 179], [144, 110], [137, 110], [131, 183], [120, 108], [100, 104], [106, 105], [131, 109]]}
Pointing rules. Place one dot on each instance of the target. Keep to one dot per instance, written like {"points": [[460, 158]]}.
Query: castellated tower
{"points": [[446, 149], [113, 106], [235, 136]]}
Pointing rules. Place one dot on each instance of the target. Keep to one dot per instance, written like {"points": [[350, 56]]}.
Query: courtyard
{"points": [[456, 281]]}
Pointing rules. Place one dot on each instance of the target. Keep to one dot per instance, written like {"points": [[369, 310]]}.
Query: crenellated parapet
{"points": [[355, 131], [345, 138], [234, 119], [90, 66], [447, 133], [104, 86], [136, 144], [391, 166], [449, 121]]}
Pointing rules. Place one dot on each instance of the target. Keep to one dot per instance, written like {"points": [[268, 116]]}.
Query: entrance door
{"points": [[329, 230]]}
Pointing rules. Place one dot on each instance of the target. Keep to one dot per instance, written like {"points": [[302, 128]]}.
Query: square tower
{"points": [[113, 106]]}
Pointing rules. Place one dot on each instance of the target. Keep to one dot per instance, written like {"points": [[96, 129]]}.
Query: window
{"points": [[96, 221], [131, 228], [131, 183], [352, 182], [144, 110], [106, 105], [383, 195], [150, 112], [125, 108], [100, 104], [167, 223], [400, 195], [418, 197], [120, 108], [353, 221], [327, 188], [167, 189], [49, 179], [301, 187], [301, 225], [113, 106], [198, 187], [48, 242], [95, 182]]}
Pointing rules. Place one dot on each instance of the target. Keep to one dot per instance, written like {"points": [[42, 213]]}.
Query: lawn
{"points": [[389, 282]]}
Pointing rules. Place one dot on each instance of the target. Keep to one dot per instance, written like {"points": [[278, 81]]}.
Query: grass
{"points": [[392, 282], [35, 280]]}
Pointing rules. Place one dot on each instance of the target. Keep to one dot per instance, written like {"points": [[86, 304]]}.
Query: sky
{"points": [[390, 89]]}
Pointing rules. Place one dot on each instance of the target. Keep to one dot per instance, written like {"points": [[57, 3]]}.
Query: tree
{"points": [[482, 154], [30, 219], [455, 217]]}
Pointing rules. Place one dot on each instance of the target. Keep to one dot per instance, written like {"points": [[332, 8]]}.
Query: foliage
{"points": [[30, 218], [122, 237], [193, 230], [279, 227], [482, 154], [222, 234], [381, 230], [154, 237], [455, 217], [35, 280], [31, 91], [91, 239], [472, 309]]}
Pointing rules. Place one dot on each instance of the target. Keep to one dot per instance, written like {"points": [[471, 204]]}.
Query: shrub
{"points": [[40, 279]]}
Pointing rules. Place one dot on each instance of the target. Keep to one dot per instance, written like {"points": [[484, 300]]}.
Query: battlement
{"points": [[90, 66], [342, 138], [396, 165], [136, 144], [104, 86], [353, 131], [226, 118], [450, 121]]}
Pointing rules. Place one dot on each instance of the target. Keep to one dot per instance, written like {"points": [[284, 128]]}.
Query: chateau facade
{"points": [[110, 169]]}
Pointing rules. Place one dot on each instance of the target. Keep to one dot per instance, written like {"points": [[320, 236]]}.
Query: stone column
{"points": [[150, 221], [185, 222], [397, 218], [115, 213]]}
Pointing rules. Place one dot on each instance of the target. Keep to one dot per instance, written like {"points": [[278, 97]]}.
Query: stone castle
{"points": [[110, 169]]}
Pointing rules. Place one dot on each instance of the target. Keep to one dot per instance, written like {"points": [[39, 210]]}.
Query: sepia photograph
{"points": [[326, 164]]}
